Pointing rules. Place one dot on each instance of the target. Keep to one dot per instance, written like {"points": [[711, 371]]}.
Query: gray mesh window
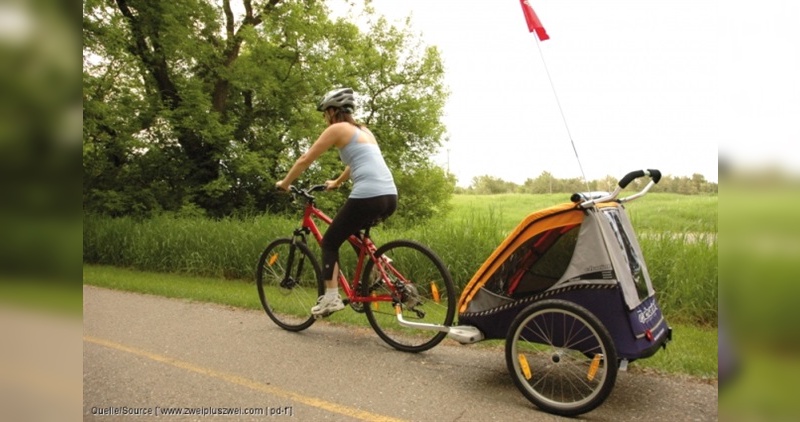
{"points": [[631, 257]]}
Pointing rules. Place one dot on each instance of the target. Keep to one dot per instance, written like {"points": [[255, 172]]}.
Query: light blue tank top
{"points": [[370, 174]]}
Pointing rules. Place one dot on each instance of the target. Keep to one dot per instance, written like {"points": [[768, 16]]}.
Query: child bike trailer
{"points": [[570, 292]]}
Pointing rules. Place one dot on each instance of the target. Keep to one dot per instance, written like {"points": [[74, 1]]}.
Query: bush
{"points": [[226, 248], [683, 267]]}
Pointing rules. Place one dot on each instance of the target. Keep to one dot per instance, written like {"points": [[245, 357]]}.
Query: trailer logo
{"points": [[646, 314]]}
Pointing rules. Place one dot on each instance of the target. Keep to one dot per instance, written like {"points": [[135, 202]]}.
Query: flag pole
{"points": [[535, 25]]}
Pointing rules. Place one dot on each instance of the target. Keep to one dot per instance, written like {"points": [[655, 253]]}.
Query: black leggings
{"points": [[356, 214]]}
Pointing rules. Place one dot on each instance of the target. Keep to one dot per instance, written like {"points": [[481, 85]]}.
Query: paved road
{"points": [[151, 354]]}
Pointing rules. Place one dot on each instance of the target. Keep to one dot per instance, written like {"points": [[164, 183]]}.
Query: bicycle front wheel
{"points": [[421, 285], [289, 282], [561, 357]]}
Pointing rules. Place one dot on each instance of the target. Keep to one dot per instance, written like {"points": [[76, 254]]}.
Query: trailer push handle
{"points": [[655, 177], [630, 177]]}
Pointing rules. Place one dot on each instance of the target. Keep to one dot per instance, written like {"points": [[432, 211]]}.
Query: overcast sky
{"points": [[642, 84]]}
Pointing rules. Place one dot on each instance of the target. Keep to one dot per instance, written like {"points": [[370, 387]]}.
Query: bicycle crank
{"points": [[356, 306], [322, 315]]}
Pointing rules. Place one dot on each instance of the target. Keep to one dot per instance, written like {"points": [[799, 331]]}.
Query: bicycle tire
{"points": [[561, 357], [289, 284], [428, 289]]}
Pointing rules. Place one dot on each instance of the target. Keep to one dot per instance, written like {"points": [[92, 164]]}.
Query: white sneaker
{"points": [[327, 305]]}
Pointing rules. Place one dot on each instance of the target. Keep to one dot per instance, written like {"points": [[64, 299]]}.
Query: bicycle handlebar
{"points": [[307, 193]]}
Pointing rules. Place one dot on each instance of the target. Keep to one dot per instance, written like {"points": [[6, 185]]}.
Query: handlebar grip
{"points": [[655, 175], [630, 177]]}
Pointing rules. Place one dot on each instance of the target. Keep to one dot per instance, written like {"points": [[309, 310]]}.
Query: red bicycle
{"points": [[404, 289]]}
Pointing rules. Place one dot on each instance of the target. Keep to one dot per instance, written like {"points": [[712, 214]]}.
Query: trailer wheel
{"points": [[561, 357]]}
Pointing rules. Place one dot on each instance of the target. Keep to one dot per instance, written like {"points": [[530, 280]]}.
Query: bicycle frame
{"points": [[366, 250], [390, 276]]}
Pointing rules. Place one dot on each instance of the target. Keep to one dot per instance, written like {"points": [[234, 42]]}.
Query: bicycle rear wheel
{"points": [[561, 357], [289, 282], [424, 291]]}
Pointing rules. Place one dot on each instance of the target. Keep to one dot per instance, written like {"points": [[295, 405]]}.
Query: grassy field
{"points": [[692, 353], [214, 261], [656, 212], [677, 235]]}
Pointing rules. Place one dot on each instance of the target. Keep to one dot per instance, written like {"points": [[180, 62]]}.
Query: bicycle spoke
{"points": [[568, 357], [289, 282], [419, 282]]}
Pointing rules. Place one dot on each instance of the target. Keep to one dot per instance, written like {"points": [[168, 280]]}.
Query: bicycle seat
{"points": [[366, 227], [373, 223]]}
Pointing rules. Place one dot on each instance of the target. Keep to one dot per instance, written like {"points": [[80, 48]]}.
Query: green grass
{"points": [[55, 296], [507, 209], [656, 212], [238, 293], [693, 351], [762, 388], [677, 234]]}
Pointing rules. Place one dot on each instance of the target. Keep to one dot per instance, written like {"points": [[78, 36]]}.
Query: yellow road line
{"points": [[244, 382]]}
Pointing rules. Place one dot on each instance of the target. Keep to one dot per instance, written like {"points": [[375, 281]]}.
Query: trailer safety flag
{"points": [[534, 24]]}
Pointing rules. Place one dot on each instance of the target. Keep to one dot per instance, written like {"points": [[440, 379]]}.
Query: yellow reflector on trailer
{"points": [[593, 367], [523, 364]]}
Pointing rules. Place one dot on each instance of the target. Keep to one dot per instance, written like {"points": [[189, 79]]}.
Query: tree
{"points": [[547, 183], [490, 185], [542, 184], [188, 105], [608, 183], [424, 193]]}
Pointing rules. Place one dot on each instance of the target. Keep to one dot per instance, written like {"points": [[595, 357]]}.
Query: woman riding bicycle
{"points": [[374, 194]]}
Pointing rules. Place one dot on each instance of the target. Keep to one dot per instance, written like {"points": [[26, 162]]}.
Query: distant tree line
{"points": [[547, 183]]}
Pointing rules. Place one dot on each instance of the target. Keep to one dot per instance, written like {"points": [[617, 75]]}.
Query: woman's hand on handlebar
{"points": [[331, 184], [282, 186]]}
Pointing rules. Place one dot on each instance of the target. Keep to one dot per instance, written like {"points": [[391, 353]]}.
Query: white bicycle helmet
{"points": [[341, 98]]}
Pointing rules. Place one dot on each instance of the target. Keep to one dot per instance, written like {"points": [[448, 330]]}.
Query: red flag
{"points": [[533, 21]]}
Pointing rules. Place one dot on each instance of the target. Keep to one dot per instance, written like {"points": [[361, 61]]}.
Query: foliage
{"points": [[188, 106], [489, 185], [655, 213], [547, 183], [683, 267], [424, 193]]}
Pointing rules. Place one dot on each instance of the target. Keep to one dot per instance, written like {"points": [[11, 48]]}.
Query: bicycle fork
{"points": [[288, 281]]}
